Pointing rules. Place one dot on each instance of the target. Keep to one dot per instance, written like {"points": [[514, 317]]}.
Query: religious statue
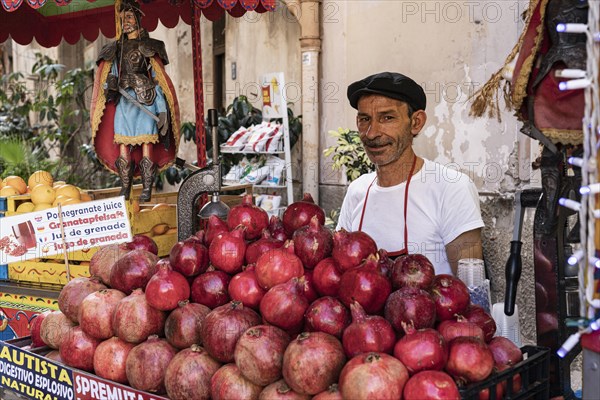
{"points": [[134, 112]]}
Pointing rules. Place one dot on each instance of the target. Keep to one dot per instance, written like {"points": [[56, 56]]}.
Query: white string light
{"points": [[568, 203]]}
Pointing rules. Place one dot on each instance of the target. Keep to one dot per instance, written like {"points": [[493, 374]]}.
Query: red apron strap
{"points": [[362, 215]]}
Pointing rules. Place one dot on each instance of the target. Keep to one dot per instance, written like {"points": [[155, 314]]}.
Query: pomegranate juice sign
{"points": [[34, 376], [90, 387], [42, 234]]}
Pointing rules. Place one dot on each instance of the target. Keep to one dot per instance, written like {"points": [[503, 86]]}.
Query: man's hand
{"points": [[466, 245]]}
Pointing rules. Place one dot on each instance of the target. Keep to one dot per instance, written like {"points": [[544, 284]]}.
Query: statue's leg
{"points": [[125, 168], [148, 169]]}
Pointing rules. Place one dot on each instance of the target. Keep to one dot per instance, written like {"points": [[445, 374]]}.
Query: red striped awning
{"points": [[50, 21]]}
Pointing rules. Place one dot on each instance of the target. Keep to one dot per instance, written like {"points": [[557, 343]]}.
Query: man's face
{"points": [[384, 128], [129, 21]]}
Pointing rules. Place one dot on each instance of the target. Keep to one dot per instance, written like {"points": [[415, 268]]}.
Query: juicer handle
{"points": [[512, 272]]}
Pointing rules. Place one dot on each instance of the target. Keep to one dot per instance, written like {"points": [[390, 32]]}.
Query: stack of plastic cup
{"points": [[507, 325], [472, 272]]}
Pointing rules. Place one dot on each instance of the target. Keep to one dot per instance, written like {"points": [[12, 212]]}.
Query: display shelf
{"points": [[274, 107]]}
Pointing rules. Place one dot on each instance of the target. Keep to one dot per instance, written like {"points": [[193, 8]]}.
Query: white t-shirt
{"points": [[442, 204]]}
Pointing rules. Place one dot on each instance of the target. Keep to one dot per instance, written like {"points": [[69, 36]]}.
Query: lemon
{"points": [[25, 207], [69, 191], [42, 206], [38, 177], [42, 193], [16, 182], [71, 200], [8, 191]]}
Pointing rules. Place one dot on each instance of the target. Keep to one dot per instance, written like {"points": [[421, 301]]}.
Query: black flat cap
{"points": [[389, 84]]}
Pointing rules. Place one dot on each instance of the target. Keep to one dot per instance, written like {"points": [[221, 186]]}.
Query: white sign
{"points": [[274, 104], [39, 234]]}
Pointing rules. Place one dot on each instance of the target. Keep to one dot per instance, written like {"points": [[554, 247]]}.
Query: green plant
{"points": [[348, 154]]}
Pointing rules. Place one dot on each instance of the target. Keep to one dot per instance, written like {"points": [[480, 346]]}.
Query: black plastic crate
{"points": [[534, 370]]}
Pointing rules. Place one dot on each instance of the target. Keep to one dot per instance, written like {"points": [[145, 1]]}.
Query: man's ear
{"points": [[417, 122]]}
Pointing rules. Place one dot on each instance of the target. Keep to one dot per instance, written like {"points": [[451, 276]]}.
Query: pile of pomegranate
{"points": [[259, 308]]}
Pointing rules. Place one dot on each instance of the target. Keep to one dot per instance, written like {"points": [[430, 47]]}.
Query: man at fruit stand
{"points": [[409, 204]]}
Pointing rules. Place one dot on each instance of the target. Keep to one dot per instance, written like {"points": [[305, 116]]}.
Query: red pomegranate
{"points": [[259, 353], [327, 314], [254, 218], [367, 285], [166, 288], [469, 359], [229, 383], [451, 296], [450, 329], [312, 362], [244, 287], [77, 350], [189, 257], [227, 251], [210, 289], [277, 230], [110, 358], [35, 327], [147, 363], [265, 243], [284, 305], [189, 373], [96, 313], [331, 393], [143, 242], [299, 214], [504, 351], [367, 333], [73, 293], [281, 391], [312, 243], [183, 325], [327, 277], [414, 270], [410, 305], [278, 266], [373, 376], [431, 385], [351, 248], [104, 259], [477, 315], [134, 319], [55, 328], [222, 328], [133, 271], [215, 226], [423, 349]]}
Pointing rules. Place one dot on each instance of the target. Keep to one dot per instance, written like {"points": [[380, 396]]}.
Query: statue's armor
{"points": [[565, 47], [134, 67]]}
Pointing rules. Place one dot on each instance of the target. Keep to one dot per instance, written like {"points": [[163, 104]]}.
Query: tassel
{"points": [[118, 24]]}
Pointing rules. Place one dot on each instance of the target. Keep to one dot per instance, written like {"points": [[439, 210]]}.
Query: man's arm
{"points": [[466, 245]]}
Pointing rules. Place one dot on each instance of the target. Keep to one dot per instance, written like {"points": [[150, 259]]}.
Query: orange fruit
{"points": [[69, 191], [58, 183], [86, 197], [161, 206], [71, 200], [17, 182], [42, 193], [38, 177], [60, 199], [25, 207], [8, 191], [42, 206]]}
